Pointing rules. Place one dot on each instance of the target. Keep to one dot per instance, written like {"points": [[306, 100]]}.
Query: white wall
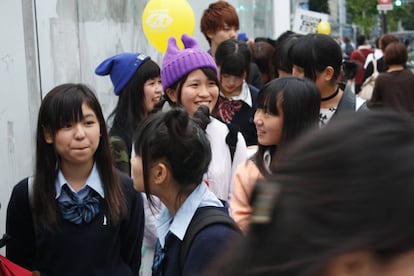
{"points": [[49, 42], [17, 103]]}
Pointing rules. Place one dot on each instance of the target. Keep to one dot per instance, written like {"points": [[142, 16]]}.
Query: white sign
{"points": [[384, 7], [307, 21]]}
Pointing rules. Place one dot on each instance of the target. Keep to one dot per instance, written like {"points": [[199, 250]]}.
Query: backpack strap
{"points": [[231, 139], [30, 192], [204, 216]]}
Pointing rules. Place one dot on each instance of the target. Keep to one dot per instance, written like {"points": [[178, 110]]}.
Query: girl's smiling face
{"points": [[152, 93], [198, 90], [269, 127]]}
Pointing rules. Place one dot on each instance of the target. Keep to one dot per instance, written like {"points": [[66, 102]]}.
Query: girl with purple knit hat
{"points": [[189, 79]]}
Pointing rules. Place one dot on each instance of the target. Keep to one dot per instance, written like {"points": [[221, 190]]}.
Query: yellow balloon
{"points": [[162, 19], [324, 28]]}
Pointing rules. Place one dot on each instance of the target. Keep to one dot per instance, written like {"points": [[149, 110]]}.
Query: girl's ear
{"points": [[172, 95], [160, 173], [329, 73], [48, 136]]}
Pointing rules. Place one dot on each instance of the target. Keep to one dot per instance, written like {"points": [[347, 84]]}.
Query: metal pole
{"points": [[384, 22]]}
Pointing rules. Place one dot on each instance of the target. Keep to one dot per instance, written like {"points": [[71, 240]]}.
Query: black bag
{"points": [[204, 217]]}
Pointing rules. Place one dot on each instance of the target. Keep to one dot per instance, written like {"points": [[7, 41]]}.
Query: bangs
{"points": [[67, 108], [234, 65], [149, 70], [268, 101], [231, 20], [300, 53]]}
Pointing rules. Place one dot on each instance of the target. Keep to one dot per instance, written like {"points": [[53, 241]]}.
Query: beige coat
{"points": [[245, 179]]}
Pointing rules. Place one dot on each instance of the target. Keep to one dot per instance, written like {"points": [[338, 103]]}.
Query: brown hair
{"points": [[262, 55], [395, 54], [216, 16], [386, 39]]}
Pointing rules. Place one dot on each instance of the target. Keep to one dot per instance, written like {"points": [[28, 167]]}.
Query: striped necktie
{"points": [[160, 256], [228, 108], [78, 210]]}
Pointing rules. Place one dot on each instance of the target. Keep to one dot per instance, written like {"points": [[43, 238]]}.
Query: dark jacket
{"points": [[207, 246], [244, 118], [95, 248]]}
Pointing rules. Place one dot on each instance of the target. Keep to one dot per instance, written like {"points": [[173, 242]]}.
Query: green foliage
{"points": [[365, 15], [408, 20], [319, 6]]}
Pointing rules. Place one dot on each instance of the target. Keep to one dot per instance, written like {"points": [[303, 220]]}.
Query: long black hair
{"points": [[299, 100], [130, 109], [63, 104]]}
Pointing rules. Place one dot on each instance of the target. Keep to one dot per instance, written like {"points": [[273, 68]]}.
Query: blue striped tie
{"points": [[79, 210], [158, 260]]}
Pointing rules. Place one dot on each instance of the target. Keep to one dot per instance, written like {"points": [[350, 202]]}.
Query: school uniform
{"points": [[205, 247], [95, 248], [222, 168], [243, 115]]}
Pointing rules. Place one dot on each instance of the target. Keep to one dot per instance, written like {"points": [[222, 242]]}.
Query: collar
{"points": [[244, 95], [267, 158], [200, 197], [364, 47], [93, 181]]}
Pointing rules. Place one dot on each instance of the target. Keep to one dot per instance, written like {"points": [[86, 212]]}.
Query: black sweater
{"points": [[85, 249]]}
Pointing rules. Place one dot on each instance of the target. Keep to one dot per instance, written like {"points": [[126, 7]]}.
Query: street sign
{"points": [[384, 7], [384, 2]]}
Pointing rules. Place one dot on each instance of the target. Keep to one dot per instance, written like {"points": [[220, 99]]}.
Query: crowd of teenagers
{"points": [[250, 158]]}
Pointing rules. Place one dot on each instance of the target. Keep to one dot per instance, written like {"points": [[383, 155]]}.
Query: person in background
{"points": [[349, 70], [378, 55], [282, 60], [262, 55], [347, 47], [137, 83], [328, 217], [237, 100], [286, 108], [360, 54], [220, 22], [172, 155], [319, 58], [394, 88], [77, 215]]}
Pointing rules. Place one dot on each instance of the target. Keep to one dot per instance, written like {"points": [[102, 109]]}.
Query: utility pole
{"points": [[384, 22], [384, 6]]}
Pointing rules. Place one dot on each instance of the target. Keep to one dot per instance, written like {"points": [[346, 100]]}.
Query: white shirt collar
{"points": [[93, 181], [201, 196], [244, 95]]}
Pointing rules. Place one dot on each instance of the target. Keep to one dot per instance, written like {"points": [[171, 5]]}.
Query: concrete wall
{"points": [[49, 42]]}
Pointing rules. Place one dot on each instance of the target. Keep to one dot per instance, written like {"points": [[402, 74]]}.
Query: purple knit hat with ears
{"points": [[178, 63]]}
